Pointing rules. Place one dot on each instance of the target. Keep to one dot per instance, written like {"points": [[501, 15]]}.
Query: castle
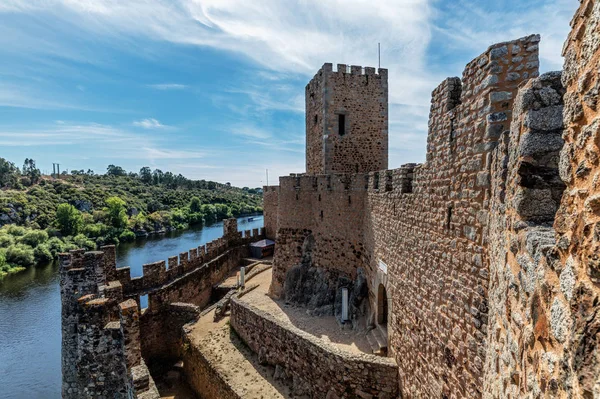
{"points": [[473, 275]]}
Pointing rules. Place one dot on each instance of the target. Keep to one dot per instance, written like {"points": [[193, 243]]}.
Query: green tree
{"points": [[68, 219], [31, 171], [113, 170], [9, 173], [116, 212], [146, 175], [195, 205]]}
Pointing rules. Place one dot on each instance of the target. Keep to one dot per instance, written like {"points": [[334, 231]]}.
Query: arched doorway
{"points": [[382, 305]]}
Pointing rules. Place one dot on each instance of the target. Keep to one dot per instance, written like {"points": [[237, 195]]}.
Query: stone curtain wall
{"points": [[322, 369], [361, 95], [101, 355], [432, 239], [104, 336], [194, 288], [427, 223], [578, 221], [526, 319]]}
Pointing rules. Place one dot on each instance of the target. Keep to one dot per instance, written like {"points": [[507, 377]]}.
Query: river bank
{"points": [[30, 334]]}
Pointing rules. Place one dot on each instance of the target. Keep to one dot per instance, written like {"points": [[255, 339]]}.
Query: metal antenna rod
{"points": [[379, 54], [267, 177]]}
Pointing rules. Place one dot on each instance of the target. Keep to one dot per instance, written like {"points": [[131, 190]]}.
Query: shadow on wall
{"points": [[320, 290]]}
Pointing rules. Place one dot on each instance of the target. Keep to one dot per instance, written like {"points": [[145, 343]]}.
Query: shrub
{"points": [[95, 230], [116, 212], [127, 236], [68, 219], [20, 254], [6, 240], [195, 205], [196, 218], [82, 241], [42, 253], [33, 238], [15, 231], [56, 246]]}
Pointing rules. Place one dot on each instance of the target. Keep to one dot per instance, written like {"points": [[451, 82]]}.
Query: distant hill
{"points": [[100, 209]]}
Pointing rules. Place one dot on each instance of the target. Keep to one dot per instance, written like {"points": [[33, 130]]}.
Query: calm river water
{"points": [[30, 311]]}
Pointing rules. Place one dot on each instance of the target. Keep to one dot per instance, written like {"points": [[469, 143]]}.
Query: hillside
{"points": [[41, 216]]}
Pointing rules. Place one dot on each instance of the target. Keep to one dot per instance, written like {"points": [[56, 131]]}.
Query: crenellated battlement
{"points": [[160, 273], [351, 70], [347, 120], [396, 180], [102, 317]]}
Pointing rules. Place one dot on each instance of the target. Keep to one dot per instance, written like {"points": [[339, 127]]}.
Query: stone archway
{"points": [[382, 305]]}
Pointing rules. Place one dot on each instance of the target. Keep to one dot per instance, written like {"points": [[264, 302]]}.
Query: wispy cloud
{"points": [[63, 133], [168, 86], [150, 123], [252, 132], [156, 154]]}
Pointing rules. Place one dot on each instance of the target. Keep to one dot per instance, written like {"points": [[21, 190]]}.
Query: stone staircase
{"points": [[377, 338]]}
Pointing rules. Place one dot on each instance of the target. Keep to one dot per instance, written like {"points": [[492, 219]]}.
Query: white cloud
{"points": [[149, 123], [290, 40], [251, 132], [158, 153], [168, 86]]}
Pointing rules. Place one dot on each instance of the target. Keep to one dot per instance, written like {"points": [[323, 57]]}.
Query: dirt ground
{"points": [[239, 366], [325, 328], [235, 361]]}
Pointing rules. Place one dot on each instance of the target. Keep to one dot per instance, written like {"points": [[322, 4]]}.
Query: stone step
{"points": [[373, 344], [380, 337]]}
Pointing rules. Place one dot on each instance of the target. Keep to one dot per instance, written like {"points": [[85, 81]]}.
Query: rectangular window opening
{"points": [[449, 218], [341, 124]]}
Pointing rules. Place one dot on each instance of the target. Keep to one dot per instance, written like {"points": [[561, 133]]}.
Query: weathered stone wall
{"points": [[331, 210], [425, 223], [159, 275], [202, 376], [322, 369], [101, 355], [270, 204], [578, 220], [526, 329], [194, 288], [361, 96], [104, 336], [436, 259]]}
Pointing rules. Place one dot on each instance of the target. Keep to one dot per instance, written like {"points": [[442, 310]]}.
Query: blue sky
{"points": [[214, 89]]}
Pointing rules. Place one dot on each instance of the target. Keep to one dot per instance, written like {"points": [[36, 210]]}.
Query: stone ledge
{"points": [[321, 367]]}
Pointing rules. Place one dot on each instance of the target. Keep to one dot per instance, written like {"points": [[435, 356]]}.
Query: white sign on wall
{"points": [[382, 266]]}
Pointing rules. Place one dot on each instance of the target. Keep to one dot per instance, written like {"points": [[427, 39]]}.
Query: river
{"points": [[30, 311]]}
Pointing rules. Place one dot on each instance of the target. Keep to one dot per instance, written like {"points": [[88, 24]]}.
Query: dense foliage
{"points": [[43, 215]]}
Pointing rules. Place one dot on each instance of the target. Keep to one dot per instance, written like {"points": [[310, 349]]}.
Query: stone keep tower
{"points": [[347, 120]]}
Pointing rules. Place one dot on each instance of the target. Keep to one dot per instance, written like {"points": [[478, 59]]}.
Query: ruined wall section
{"points": [[526, 323], [101, 356], [347, 120], [104, 333], [578, 220], [433, 239], [329, 208]]}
